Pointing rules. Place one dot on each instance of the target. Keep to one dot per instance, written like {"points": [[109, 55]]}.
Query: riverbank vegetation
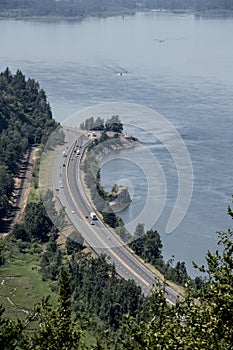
{"points": [[110, 139]]}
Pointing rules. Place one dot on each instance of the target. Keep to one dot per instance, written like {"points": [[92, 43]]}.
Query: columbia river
{"points": [[180, 66]]}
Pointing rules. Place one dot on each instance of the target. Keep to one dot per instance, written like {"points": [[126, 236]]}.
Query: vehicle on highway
{"points": [[93, 216], [77, 153]]}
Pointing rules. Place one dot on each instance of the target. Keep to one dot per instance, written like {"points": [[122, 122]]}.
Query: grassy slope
{"points": [[21, 285]]}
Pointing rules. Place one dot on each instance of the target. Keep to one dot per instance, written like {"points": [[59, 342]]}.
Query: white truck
{"points": [[93, 216]]}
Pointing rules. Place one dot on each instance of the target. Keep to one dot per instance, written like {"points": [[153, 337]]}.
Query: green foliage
{"points": [[148, 246], [92, 124], [114, 124], [204, 323], [134, 322], [4, 207], [19, 231], [25, 120], [6, 189], [112, 219], [7, 183], [38, 223], [2, 257], [74, 243], [103, 137], [100, 198], [57, 328], [10, 332], [98, 291], [51, 260], [178, 274], [220, 292]]}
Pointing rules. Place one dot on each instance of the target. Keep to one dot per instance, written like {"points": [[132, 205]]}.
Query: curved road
{"points": [[100, 238]]}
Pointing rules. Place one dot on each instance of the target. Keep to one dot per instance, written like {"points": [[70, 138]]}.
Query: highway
{"points": [[69, 189]]}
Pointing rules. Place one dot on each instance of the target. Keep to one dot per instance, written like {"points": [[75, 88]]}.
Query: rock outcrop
{"points": [[119, 198]]}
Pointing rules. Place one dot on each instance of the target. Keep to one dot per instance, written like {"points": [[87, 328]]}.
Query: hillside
{"points": [[25, 120]]}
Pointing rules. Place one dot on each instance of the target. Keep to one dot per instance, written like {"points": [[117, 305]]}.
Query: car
{"points": [[92, 222], [72, 211], [61, 186]]}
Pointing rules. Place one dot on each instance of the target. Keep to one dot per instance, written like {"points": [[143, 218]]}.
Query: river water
{"points": [[180, 66]]}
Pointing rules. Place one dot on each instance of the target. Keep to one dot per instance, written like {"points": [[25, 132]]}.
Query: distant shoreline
{"points": [[214, 14], [18, 14]]}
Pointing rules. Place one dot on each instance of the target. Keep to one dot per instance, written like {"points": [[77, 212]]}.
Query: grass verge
{"points": [[21, 284]]}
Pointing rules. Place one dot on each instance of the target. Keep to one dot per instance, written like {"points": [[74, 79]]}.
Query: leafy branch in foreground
{"points": [[58, 330], [201, 323]]}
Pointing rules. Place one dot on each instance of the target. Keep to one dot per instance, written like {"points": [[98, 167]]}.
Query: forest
{"points": [[25, 120], [95, 309], [84, 8]]}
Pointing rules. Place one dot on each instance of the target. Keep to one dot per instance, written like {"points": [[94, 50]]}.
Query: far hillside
{"points": [[84, 8]]}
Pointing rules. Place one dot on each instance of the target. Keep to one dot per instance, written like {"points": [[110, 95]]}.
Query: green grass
{"points": [[34, 196], [23, 285]]}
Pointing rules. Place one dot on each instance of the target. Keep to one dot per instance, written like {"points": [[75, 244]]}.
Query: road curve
{"points": [[100, 238]]}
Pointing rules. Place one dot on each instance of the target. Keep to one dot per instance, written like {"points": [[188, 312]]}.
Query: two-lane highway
{"points": [[99, 237]]}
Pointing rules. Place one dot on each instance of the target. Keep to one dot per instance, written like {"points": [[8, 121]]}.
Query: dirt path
{"points": [[22, 189]]}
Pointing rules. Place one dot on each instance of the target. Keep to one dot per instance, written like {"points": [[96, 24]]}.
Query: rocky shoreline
{"points": [[115, 144]]}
